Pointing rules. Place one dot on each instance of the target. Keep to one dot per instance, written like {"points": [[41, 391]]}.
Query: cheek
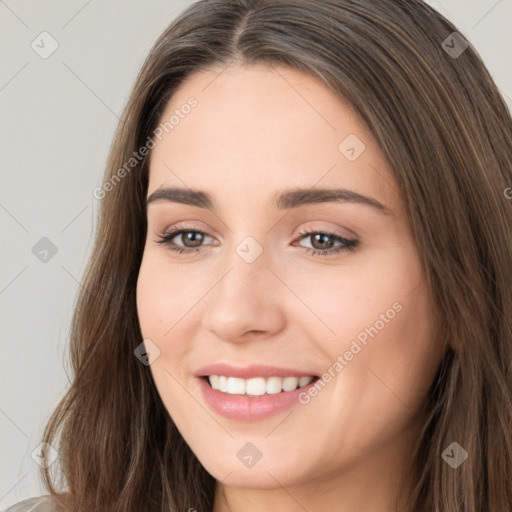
{"points": [[380, 322], [163, 297], [405, 356], [387, 359], [158, 311], [165, 307], [378, 372], [151, 301], [351, 298]]}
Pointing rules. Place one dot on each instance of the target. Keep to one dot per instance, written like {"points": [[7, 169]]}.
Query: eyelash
{"points": [[348, 245]]}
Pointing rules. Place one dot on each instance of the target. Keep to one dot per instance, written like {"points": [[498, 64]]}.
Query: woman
{"points": [[300, 293]]}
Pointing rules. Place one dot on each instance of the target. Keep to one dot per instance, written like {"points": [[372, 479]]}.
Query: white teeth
{"points": [[214, 381], [236, 386], [274, 385], [290, 383], [304, 381], [223, 383], [257, 386]]}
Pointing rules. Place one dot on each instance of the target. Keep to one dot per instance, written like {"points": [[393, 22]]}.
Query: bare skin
{"points": [[257, 131]]}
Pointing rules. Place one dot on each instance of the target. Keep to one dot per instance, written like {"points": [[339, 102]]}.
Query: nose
{"points": [[247, 302]]}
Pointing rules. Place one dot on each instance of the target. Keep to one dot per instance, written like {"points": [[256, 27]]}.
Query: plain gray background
{"points": [[58, 117]]}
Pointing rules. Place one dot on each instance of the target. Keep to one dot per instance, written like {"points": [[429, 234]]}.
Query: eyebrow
{"points": [[288, 199]]}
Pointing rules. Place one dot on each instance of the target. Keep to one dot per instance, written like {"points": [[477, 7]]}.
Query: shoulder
{"points": [[44, 503]]}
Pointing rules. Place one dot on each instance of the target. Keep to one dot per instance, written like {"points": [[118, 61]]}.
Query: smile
{"points": [[257, 386]]}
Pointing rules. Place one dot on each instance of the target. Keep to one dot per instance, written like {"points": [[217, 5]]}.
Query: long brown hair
{"points": [[441, 121]]}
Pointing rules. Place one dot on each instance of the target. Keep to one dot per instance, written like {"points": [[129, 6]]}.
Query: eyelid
{"points": [[308, 230], [331, 228], [189, 226]]}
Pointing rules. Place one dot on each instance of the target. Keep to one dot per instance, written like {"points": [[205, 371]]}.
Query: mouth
{"points": [[254, 392], [257, 386]]}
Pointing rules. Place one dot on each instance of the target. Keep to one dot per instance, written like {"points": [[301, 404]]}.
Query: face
{"points": [[267, 289]]}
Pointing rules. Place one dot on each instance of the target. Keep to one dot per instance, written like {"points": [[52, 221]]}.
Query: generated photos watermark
{"points": [[355, 348], [143, 151]]}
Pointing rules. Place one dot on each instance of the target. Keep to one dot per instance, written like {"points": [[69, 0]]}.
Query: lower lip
{"points": [[249, 408]]}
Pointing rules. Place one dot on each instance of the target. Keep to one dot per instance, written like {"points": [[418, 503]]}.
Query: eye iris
{"points": [[192, 236], [323, 244]]}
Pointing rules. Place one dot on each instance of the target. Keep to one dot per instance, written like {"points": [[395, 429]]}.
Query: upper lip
{"points": [[248, 372]]}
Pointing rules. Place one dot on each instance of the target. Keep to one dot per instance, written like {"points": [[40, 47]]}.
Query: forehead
{"points": [[256, 129]]}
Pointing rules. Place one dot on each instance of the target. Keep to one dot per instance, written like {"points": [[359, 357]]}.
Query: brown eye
{"points": [[322, 242], [191, 240]]}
